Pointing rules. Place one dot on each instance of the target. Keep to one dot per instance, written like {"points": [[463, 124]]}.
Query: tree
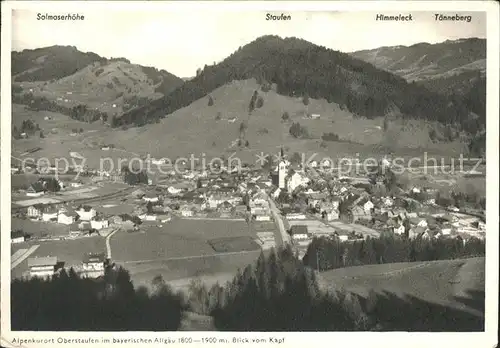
{"points": [[386, 124], [251, 106], [305, 100], [298, 131], [242, 129], [42, 135], [296, 158], [285, 117], [260, 102], [210, 100]]}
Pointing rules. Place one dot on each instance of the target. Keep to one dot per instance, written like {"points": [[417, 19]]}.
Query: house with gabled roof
{"points": [[17, 236], [93, 265], [35, 211], [36, 189], [49, 214], [42, 267], [86, 212], [299, 232]]}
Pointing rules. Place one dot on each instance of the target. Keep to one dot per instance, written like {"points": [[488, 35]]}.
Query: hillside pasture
{"points": [[449, 283]]}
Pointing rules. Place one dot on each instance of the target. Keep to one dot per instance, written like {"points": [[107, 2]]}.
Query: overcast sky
{"points": [[182, 42]]}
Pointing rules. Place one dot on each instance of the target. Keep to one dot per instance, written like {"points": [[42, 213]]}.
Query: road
{"points": [[21, 255], [281, 236], [108, 245]]}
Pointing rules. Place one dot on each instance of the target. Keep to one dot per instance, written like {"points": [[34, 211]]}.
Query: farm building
{"points": [[299, 232], [35, 211], [86, 213], [49, 214], [150, 197], [66, 216], [93, 265], [35, 190], [17, 236], [42, 267]]}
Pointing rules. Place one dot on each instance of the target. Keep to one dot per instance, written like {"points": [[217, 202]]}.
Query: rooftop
{"points": [[42, 261]]}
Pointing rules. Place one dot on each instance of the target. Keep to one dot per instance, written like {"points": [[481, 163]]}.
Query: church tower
{"points": [[282, 170]]}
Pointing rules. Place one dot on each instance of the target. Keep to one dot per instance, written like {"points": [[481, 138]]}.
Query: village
{"points": [[289, 204]]}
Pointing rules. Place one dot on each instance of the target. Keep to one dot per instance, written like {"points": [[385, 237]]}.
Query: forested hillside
{"points": [[300, 68]]}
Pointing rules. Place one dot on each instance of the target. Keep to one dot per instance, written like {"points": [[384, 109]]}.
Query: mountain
{"points": [[449, 67], [454, 68], [61, 78], [424, 61], [300, 68]]}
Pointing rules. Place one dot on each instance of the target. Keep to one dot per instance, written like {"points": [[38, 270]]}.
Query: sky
{"points": [[181, 42]]}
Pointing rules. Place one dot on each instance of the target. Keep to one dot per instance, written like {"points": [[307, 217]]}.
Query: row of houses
{"points": [[92, 266]]}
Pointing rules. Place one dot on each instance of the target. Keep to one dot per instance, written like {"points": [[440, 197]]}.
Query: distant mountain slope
{"points": [[450, 67], [50, 63], [301, 68], [425, 61], [456, 69], [60, 78]]}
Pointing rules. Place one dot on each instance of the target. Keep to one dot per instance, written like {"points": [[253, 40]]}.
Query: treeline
{"points": [[134, 176], [68, 302], [28, 126], [79, 112], [299, 68], [276, 293], [330, 253]]}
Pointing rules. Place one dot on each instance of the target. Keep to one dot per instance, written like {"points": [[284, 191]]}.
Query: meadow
{"points": [[182, 249], [449, 282], [70, 252]]}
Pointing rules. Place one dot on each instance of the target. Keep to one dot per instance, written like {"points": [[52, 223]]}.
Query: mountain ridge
{"points": [[300, 68]]}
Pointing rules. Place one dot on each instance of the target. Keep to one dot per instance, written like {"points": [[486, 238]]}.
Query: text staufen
{"points": [[398, 18]]}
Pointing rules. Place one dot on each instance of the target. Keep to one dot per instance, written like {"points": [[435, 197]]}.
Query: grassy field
{"points": [[70, 252], [178, 238], [181, 250], [179, 273], [39, 228], [450, 283]]}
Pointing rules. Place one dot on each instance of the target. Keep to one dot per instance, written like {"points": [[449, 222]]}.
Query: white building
{"points": [[296, 180], [17, 237], [86, 213], [66, 218], [262, 218], [282, 173], [42, 267], [422, 223], [49, 215], [295, 216], [173, 191], [150, 198], [99, 224], [368, 206], [93, 265], [399, 230], [186, 212]]}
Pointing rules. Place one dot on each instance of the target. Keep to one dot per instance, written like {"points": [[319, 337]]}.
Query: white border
{"points": [[486, 339]]}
